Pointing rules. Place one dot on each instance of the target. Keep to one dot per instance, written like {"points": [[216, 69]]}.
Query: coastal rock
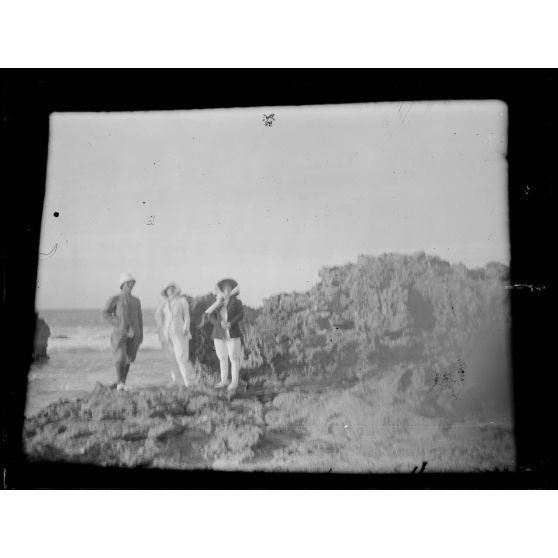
{"points": [[370, 368], [357, 428], [185, 427], [376, 313], [381, 311], [40, 344]]}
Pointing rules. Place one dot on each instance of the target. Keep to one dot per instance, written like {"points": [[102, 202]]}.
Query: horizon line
{"points": [[415, 253]]}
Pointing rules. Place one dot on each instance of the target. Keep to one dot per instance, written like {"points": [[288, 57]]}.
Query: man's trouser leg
{"points": [[125, 370], [119, 359], [130, 350], [120, 374], [223, 355]]}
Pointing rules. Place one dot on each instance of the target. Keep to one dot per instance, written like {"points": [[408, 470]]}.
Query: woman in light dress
{"points": [[173, 322]]}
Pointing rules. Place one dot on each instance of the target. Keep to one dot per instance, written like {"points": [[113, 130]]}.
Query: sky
{"points": [[195, 196]]}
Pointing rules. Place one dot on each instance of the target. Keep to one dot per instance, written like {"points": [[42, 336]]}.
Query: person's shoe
{"points": [[232, 387], [121, 387], [221, 384]]}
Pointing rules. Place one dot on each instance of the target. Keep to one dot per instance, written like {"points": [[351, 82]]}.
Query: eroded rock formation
{"points": [[384, 363], [40, 344]]}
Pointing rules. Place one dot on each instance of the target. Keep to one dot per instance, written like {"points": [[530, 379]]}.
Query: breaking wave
{"points": [[83, 338]]}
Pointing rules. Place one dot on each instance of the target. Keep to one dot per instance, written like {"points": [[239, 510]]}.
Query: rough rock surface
{"points": [[40, 344], [450, 323], [151, 427], [360, 428], [385, 363]]}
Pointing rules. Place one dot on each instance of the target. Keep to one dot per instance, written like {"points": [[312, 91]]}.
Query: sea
{"points": [[80, 357]]}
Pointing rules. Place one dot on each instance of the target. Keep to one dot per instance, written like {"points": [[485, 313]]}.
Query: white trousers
{"points": [[177, 350], [225, 350]]}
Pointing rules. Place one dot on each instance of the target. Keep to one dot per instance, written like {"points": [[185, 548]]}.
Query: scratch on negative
{"points": [[526, 286], [406, 114], [51, 253]]}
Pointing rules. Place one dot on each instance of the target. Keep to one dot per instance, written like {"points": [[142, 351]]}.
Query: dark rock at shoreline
{"points": [[40, 344]]}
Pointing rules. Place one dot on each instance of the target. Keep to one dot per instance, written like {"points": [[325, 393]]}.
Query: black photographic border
{"points": [[28, 97]]}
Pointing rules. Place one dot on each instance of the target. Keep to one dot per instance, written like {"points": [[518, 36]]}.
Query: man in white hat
{"points": [[123, 312], [173, 321]]}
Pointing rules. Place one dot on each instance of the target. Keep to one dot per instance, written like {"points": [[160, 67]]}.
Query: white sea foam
{"points": [[83, 338]]}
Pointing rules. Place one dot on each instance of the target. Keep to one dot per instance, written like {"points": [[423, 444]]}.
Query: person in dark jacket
{"points": [[225, 315], [123, 312]]}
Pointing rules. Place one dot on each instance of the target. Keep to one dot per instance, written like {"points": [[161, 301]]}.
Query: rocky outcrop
{"points": [[375, 364], [385, 311], [360, 428], [380, 312], [152, 427], [40, 344]]}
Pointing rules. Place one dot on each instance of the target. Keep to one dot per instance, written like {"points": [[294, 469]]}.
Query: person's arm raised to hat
{"points": [[211, 311], [216, 304], [109, 313], [238, 315]]}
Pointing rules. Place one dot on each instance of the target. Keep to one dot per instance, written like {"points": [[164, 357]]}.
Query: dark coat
{"points": [[235, 315], [124, 314]]}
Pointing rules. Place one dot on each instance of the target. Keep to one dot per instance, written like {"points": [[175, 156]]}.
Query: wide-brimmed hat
{"points": [[227, 281], [170, 284], [125, 277], [235, 290]]}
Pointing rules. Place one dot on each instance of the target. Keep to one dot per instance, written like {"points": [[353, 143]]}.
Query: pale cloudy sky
{"points": [[198, 195]]}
